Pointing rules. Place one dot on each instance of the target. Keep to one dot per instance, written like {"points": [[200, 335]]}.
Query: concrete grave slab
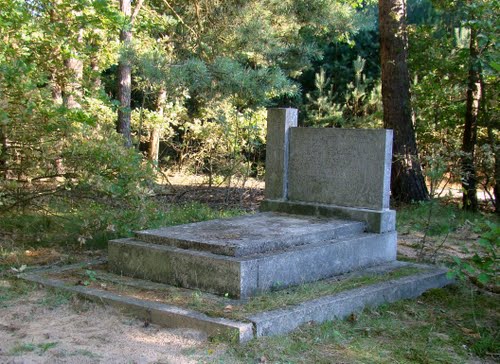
{"points": [[377, 221], [251, 234], [264, 323], [332, 247]]}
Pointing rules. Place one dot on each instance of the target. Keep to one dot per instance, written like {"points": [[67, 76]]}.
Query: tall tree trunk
{"points": [[55, 82], [407, 181], [3, 151], [73, 91], [496, 189], [492, 139], [125, 76], [474, 90], [154, 134], [95, 78], [56, 89]]}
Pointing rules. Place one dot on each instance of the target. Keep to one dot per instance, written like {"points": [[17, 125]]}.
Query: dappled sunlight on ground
{"points": [[48, 328]]}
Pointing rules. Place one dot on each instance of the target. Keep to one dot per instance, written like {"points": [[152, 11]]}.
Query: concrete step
{"points": [[245, 276], [257, 324], [252, 234]]}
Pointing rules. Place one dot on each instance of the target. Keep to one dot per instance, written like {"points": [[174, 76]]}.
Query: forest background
{"points": [[103, 101], [186, 85]]}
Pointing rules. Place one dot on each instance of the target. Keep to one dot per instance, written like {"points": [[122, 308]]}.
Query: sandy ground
{"points": [[34, 329]]}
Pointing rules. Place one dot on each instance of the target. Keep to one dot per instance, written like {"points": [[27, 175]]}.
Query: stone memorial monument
{"points": [[326, 212], [325, 217]]}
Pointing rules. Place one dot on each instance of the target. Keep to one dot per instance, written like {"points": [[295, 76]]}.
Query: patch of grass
{"points": [[223, 307], [450, 325], [22, 348], [30, 347], [297, 294], [194, 212], [43, 347], [10, 289], [55, 298], [91, 225], [444, 218]]}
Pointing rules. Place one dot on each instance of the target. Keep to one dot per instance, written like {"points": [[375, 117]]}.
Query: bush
{"points": [[483, 268]]}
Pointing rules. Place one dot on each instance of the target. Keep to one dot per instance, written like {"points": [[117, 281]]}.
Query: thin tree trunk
{"points": [[56, 89], [3, 151], [55, 84], [154, 135], [95, 79], [491, 129], [492, 139], [154, 145], [496, 189], [73, 91], [469, 182], [125, 77], [407, 181]]}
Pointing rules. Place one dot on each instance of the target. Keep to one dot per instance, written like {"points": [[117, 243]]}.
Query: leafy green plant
{"points": [[91, 276], [483, 267]]}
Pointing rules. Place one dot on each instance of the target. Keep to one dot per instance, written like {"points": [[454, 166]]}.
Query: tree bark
{"points": [[407, 181], [125, 77], [496, 189], [492, 139], [95, 79], [56, 89], [474, 90], [154, 134], [73, 92], [55, 84], [3, 151]]}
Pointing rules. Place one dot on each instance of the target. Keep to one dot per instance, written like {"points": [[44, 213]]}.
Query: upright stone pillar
{"points": [[279, 122]]}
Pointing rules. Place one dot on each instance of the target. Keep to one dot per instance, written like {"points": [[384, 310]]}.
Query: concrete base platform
{"points": [[377, 221], [246, 276], [247, 255], [252, 234], [272, 322]]}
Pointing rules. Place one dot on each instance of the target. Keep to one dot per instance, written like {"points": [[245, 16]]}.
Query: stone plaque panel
{"points": [[344, 167]]}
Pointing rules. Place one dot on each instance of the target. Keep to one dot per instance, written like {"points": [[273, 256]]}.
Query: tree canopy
{"points": [[191, 80]]}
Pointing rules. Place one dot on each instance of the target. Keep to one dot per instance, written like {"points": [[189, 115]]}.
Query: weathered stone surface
{"points": [[377, 221], [251, 234], [185, 268], [325, 259], [273, 322], [338, 306], [247, 276], [157, 313], [344, 167], [279, 122]]}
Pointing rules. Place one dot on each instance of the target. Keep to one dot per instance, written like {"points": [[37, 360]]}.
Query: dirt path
{"points": [[39, 328]]}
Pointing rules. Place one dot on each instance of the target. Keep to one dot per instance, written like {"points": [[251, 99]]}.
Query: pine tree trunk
{"points": [[496, 189], [3, 152], [407, 181], [55, 84], [492, 140], [154, 145], [56, 89], [125, 77], [154, 135], [469, 182], [95, 79], [73, 92]]}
